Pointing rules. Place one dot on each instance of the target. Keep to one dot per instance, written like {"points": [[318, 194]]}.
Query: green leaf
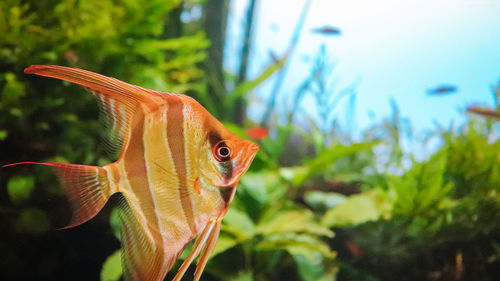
{"points": [[359, 208], [261, 185], [325, 161], [112, 267], [296, 221], [194, 42], [13, 90], [296, 175], [314, 269], [335, 152], [223, 243], [115, 222], [240, 132], [19, 188], [422, 187], [247, 86], [296, 244], [324, 200], [33, 221], [238, 223], [3, 134]]}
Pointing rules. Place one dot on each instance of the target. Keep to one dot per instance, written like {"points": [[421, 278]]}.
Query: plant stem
{"points": [[282, 73], [240, 103]]}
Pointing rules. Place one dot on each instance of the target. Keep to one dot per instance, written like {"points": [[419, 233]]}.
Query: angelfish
{"points": [[177, 172]]}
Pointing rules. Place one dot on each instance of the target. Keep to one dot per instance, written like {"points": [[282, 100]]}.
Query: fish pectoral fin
{"points": [[87, 188], [208, 250], [143, 254], [197, 247], [119, 102]]}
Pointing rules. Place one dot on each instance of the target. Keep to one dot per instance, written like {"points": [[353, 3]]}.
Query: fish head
{"points": [[225, 157], [230, 157]]}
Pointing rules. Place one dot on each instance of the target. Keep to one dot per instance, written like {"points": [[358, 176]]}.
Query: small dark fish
{"points": [[485, 112], [327, 30], [443, 90]]}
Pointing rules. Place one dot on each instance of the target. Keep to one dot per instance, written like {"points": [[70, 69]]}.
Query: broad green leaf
{"points": [[296, 244], [296, 175], [112, 267], [294, 221], [359, 208], [238, 223], [236, 228], [324, 200], [19, 188], [262, 186]]}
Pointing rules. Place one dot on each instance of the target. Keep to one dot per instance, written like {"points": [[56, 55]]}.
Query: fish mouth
{"points": [[250, 150]]}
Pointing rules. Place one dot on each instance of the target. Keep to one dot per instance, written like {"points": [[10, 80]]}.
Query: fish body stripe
{"points": [[176, 140], [135, 169], [155, 143]]}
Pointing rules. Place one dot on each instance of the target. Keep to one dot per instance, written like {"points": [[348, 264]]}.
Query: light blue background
{"points": [[395, 49]]}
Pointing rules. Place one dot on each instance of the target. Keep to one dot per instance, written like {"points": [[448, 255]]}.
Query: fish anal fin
{"points": [[143, 257], [87, 188]]}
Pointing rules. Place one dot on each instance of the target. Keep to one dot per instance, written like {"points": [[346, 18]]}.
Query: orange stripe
{"points": [[135, 168], [176, 139]]}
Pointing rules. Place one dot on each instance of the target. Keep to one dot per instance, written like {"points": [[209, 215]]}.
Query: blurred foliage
{"points": [[316, 205]]}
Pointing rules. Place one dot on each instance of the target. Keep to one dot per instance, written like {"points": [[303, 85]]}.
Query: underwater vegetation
{"points": [[317, 203]]}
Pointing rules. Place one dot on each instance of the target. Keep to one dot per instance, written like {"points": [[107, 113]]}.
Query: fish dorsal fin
{"points": [[116, 118], [121, 104]]}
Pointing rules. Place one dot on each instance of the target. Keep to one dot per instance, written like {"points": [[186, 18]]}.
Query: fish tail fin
{"points": [[87, 188]]}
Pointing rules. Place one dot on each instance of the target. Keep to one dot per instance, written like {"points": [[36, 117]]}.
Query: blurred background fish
{"points": [[327, 30], [443, 90]]}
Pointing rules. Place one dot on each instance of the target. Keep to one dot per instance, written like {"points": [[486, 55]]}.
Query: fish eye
{"points": [[222, 151]]}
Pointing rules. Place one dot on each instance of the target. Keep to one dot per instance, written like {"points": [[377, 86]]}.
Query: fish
{"points": [[176, 173], [443, 90], [489, 113], [327, 30], [257, 132]]}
